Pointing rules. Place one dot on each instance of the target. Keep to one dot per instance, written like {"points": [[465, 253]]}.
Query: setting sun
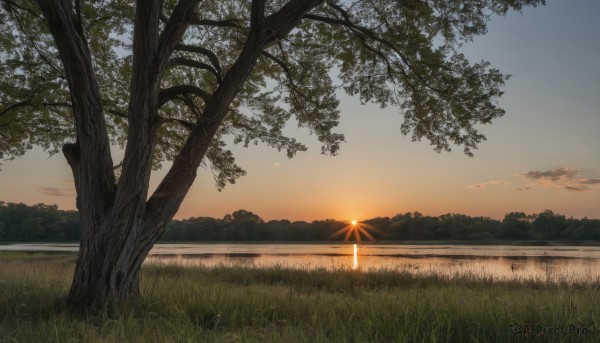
{"points": [[357, 229]]}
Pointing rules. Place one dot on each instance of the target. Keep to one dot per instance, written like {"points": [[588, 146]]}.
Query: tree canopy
{"points": [[389, 52]]}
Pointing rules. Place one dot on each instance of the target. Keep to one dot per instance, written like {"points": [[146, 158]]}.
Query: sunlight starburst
{"points": [[357, 230]]}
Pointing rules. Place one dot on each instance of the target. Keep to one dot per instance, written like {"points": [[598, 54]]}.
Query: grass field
{"points": [[229, 304]]}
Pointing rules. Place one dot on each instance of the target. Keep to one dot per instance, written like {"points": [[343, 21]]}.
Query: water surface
{"points": [[552, 263]]}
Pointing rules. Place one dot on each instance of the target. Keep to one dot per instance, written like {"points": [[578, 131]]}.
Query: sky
{"points": [[543, 154]]}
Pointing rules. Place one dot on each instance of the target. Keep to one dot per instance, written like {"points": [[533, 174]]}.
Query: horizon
{"points": [[344, 220], [541, 155]]}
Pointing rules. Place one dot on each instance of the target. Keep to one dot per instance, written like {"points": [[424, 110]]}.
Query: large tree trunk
{"points": [[102, 276], [108, 266], [119, 223]]}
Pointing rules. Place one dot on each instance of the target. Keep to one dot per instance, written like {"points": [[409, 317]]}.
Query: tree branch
{"points": [[257, 15], [29, 102], [280, 23], [196, 20], [175, 28], [163, 204], [78, 10], [10, 4], [287, 72], [117, 113], [132, 189], [180, 61], [361, 30], [33, 43], [171, 93], [191, 105], [94, 169], [214, 60], [15, 106]]}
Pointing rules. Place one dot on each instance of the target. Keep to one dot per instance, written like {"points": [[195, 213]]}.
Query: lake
{"points": [[551, 263]]}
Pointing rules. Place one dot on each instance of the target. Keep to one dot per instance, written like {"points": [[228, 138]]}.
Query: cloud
{"points": [[562, 178], [591, 181], [489, 183], [551, 175], [276, 164], [57, 192], [577, 188]]}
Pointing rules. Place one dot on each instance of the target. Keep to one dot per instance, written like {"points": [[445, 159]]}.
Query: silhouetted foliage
{"points": [[37, 223], [46, 223]]}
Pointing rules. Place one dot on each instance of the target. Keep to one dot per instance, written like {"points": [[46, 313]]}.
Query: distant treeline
{"points": [[37, 223], [46, 223]]}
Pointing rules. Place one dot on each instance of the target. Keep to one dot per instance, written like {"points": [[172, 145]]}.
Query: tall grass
{"points": [[231, 304]]}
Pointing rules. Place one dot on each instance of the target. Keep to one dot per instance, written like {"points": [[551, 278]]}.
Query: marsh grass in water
{"points": [[230, 304]]}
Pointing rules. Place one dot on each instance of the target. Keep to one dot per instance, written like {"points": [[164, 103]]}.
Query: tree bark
{"points": [[111, 251], [101, 276], [120, 225]]}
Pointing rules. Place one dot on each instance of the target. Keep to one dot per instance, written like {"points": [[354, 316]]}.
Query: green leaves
{"points": [[405, 54], [389, 52]]}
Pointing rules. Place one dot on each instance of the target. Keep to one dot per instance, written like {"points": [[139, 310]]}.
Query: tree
{"points": [[168, 80], [243, 217], [243, 225], [549, 225], [516, 225]]}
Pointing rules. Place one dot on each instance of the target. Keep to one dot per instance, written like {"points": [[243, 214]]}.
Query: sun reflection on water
{"points": [[355, 262]]}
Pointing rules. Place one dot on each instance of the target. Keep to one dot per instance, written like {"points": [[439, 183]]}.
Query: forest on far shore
{"points": [[46, 223]]}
